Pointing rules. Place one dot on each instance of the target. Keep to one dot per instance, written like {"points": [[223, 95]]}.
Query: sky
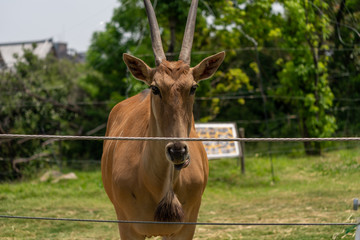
{"points": [[70, 21]]}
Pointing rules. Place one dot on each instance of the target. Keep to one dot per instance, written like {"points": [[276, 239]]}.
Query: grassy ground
{"points": [[306, 190]]}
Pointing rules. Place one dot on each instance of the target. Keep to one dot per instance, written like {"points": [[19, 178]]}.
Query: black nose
{"points": [[178, 152]]}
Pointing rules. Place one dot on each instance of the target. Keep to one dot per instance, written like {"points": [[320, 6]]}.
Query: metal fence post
{"points": [[356, 207]]}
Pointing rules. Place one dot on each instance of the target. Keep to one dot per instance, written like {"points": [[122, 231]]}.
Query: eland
{"points": [[158, 180]]}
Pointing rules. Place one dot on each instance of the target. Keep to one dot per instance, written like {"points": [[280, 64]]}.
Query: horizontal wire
{"points": [[69, 137], [177, 223]]}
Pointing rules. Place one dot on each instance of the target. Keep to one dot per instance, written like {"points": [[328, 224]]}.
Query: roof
{"points": [[9, 50]]}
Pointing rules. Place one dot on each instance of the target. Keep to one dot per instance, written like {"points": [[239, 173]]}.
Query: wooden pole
{"points": [[242, 148]]}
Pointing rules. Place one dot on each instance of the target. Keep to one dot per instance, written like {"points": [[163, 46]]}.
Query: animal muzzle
{"points": [[178, 154]]}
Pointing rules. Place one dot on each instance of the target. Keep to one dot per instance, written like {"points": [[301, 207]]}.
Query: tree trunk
{"points": [[171, 49], [311, 148]]}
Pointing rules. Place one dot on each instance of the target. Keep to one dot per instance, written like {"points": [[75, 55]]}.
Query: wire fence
{"points": [[101, 138], [250, 153], [68, 137], [177, 223]]}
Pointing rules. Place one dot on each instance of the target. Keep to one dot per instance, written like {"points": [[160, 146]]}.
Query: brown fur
{"points": [[173, 69], [138, 176], [169, 209], [140, 169]]}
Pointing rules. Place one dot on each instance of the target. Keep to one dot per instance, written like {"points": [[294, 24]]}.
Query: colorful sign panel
{"points": [[219, 149]]}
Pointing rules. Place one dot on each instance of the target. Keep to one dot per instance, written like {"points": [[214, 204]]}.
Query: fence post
{"points": [[60, 160], [356, 207], [242, 148]]}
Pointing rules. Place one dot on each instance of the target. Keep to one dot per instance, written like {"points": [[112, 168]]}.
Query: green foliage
{"points": [[42, 96], [344, 66], [300, 78], [305, 74]]}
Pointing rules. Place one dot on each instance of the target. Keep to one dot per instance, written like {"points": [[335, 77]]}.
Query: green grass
{"points": [[306, 190]]}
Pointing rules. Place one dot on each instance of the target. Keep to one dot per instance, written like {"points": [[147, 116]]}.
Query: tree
{"points": [[305, 74], [270, 53], [299, 74], [246, 29], [42, 96], [344, 65]]}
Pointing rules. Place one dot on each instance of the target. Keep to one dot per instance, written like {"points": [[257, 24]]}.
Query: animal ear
{"points": [[208, 66], [138, 68]]}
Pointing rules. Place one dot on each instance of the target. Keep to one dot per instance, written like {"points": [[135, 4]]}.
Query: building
{"points": [[9, 52]]}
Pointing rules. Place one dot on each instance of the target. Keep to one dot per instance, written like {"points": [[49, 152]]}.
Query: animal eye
{"points": [[155, 90], [193, 89]]}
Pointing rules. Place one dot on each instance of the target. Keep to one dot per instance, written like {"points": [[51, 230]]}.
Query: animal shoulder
{"points": [[134, 111]]}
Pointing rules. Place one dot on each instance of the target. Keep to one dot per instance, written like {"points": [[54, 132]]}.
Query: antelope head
{"points": [[173, 85]]}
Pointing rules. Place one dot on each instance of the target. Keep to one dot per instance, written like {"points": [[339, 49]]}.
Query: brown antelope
{"points": [[154, 180]]}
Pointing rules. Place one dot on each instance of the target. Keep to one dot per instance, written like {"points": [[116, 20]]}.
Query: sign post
{"points": [[221, 149]]}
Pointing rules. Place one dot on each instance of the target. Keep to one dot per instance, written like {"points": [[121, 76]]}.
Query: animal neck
{"points": [[160, 170], [160, 178]]}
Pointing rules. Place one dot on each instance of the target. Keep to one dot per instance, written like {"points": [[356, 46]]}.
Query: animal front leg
{"points": [[128, 233], [126, 230], [186, 233]]}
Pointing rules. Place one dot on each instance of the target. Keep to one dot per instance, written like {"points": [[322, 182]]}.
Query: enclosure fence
{"points": [[69, 137], [178, 223]]}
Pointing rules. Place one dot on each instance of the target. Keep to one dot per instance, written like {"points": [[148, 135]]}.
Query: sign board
{"points": [[219, 149]]}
